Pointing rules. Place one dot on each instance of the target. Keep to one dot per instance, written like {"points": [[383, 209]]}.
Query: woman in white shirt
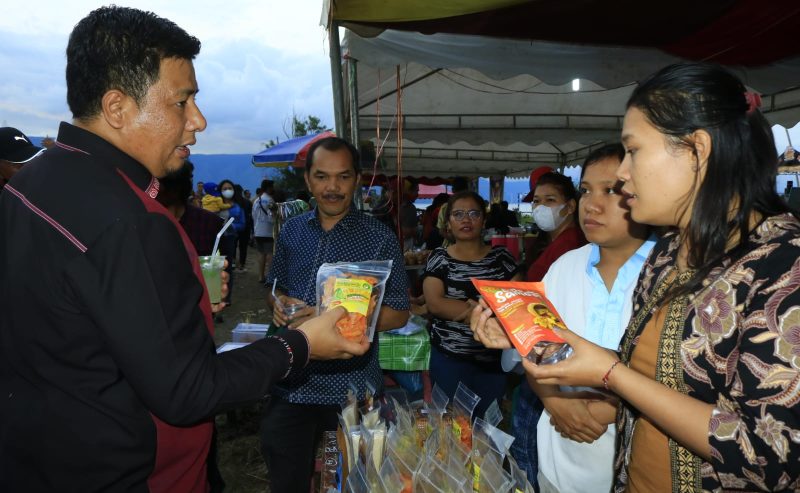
{"points": [[591, 287]]}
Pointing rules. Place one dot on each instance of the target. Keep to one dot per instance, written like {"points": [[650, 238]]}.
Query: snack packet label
{"points": [[523, 310], [353, 294]]}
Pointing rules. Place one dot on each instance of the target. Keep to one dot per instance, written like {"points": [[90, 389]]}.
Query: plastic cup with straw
{"points": [[212, 267], [289, 309]]}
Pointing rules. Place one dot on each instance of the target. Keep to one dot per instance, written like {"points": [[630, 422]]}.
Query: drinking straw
{"points": [[214, 251]]}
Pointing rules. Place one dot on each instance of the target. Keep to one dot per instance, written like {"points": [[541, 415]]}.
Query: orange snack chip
{"points": [[527, 316], [359, 288]]}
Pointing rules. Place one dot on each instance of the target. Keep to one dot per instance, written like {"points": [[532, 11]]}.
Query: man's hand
{"points": [[570, 416], [281, 319], [324, 340], [224, 278]]}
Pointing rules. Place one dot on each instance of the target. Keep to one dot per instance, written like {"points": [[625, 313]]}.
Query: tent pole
{"points": [[352, 65], [336, 77]]}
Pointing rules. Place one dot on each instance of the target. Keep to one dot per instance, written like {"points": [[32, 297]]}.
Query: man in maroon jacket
{"points": [[108, 371]]}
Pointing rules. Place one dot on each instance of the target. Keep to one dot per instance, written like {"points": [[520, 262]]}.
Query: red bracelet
{"points": [[608, 374]]}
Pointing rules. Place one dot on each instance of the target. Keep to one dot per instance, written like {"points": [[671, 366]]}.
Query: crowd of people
{"points": [[674, 266]]}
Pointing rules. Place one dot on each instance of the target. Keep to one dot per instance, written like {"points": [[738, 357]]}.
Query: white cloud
{"points": [[260, 62]]}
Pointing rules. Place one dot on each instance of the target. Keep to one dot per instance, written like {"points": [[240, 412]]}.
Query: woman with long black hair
{"points": [[709, 368]]}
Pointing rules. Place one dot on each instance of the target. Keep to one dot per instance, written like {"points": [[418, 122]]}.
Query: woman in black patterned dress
{"points": [[450, 296]]}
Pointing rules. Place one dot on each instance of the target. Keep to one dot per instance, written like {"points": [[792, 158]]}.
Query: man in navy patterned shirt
{"points": [[305, 406]]}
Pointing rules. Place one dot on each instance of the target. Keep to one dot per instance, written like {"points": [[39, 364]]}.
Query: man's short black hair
{"points": [[267, 185], [120, 48], [333, 144]]}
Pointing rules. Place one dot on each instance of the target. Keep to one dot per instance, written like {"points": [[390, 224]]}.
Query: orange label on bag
{"points": [[523, 310]]}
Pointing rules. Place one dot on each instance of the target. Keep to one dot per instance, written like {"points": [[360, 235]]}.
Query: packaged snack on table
{"points": [[464, 403], [528, 318], [358, 287]]}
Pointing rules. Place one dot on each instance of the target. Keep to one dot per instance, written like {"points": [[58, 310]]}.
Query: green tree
{"points": [[291, 180]]}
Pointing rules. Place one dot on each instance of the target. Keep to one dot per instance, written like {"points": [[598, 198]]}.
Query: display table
{"points": [[404, 352]]}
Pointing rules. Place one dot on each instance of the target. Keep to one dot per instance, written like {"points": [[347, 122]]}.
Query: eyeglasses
{"points": [[472, 214]]}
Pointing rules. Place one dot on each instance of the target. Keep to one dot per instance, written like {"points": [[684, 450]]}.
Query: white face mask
{"points": [[228, 194], [548, 218]]}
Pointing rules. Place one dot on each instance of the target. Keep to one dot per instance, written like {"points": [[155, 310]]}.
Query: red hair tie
{"points": [[753, 101]]}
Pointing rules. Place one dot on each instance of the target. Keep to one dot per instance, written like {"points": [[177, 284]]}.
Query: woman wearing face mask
{"points": [[450, 296], [554, 206], [227, 244], [591, 287], [554, 211]]}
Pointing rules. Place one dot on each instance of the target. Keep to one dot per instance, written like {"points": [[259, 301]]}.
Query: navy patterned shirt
{"points": [[302, 247]]}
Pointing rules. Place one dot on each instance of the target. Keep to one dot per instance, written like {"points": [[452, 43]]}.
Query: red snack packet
{"points": [[528, 318]]}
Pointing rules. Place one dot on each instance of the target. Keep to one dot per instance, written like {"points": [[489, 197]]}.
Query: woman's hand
{"points": [[465, 315], [585, 367], [486, 328], [571, 417]]}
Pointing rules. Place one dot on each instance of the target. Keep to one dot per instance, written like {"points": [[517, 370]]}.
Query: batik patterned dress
{"points": [[735, 343]]}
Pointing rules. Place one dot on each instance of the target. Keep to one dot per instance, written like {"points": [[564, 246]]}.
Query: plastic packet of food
{"points": [[528, 318], [464, 403], [371, 451], [435, 410], [402, 447], [487, 441], [458, 455], [499, 440], [390, 479], [357, 286], [491, 476], [493, 414], [432, 448], [356, 480], [521, 483], [432, 477]]}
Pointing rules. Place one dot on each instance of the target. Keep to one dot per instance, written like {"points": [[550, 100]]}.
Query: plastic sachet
{"points": [[528, 318], [358, 287]]}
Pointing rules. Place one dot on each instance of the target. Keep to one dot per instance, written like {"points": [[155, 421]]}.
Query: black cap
{"points": [[15, 147]]}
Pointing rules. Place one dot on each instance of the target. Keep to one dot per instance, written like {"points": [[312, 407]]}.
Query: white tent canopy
{"points": [[478, 105]]}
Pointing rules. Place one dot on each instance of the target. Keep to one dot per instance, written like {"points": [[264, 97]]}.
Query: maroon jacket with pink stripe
{"points": [[108, 373]]}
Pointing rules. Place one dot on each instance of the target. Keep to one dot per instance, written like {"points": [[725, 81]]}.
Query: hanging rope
{"points": [[399, 195]]}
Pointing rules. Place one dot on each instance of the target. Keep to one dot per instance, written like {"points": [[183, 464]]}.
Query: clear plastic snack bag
{"points": [[492, 477], [493, 414], [432, 477], [528, 318], [464, 403], [487, 441], [356, 481], [390, 479], [521, 483], [358, 287], [402, 448]]}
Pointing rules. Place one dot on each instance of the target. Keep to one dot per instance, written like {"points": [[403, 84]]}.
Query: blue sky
{"points": [[261, 61]]}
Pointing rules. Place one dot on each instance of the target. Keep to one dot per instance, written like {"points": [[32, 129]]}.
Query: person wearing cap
{"points": [[16, 149], [108, 372]]}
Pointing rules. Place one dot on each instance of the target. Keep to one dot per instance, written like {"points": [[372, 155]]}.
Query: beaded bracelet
{"points": [[608, 374]]}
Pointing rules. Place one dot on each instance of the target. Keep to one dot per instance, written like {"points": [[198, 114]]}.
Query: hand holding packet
{"points": [[359, 287], [528, 318]]}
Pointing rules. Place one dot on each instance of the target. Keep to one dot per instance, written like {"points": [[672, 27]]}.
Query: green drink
{"points": [[212, 266]]}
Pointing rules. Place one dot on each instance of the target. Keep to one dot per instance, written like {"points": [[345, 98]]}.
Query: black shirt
{"points": [[104, 331]]}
